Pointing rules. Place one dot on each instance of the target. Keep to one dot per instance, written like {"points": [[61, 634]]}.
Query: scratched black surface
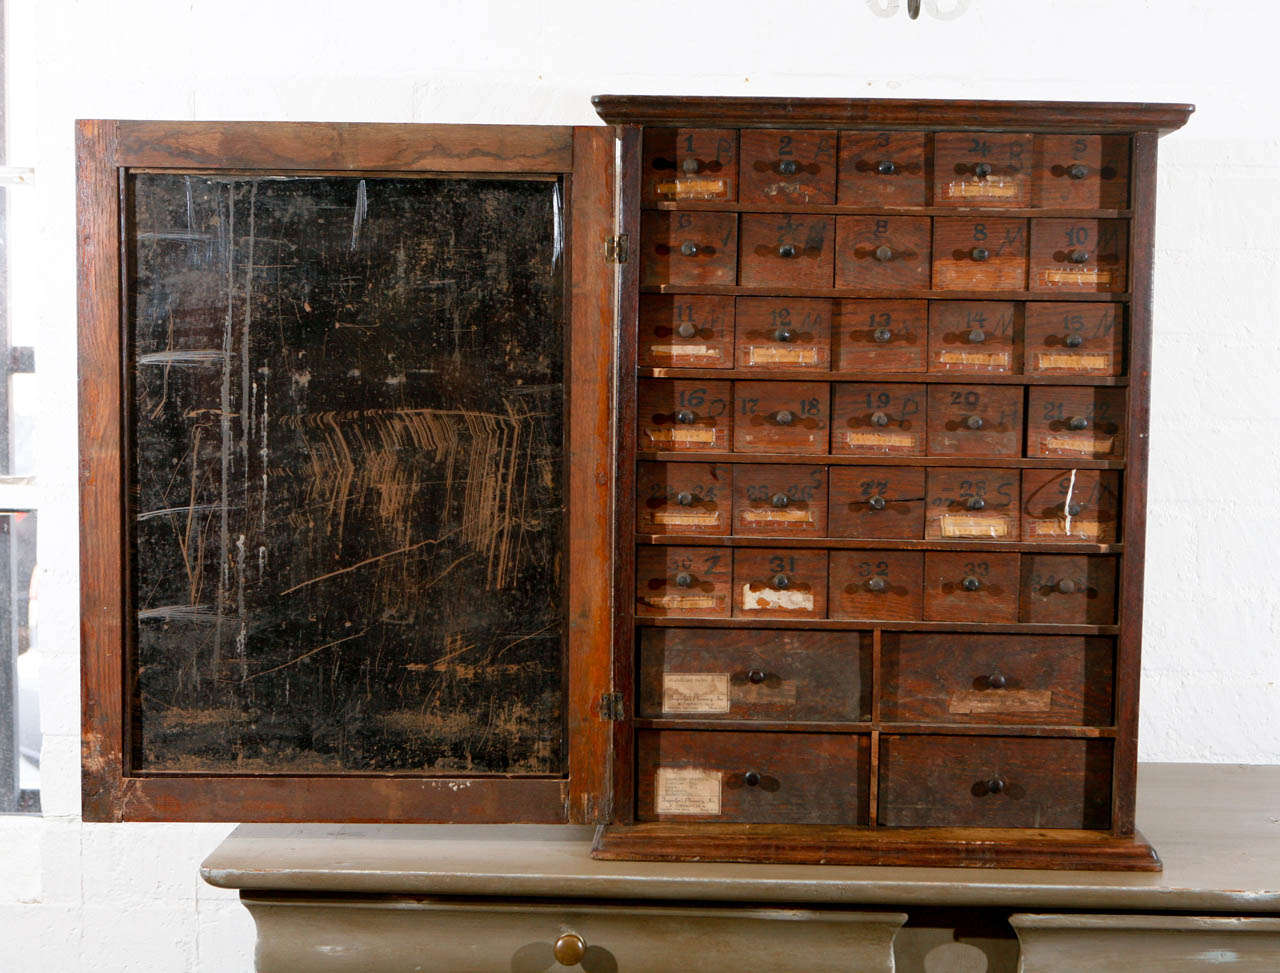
{"points": [[347, 469]]}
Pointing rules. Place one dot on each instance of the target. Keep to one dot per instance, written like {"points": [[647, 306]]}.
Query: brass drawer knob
{"points": [[755, 676], [883, 252], [1074, 340], [685, 417], [691, 166], [569, 949], [787, 250], [686, 330], [751, 778], [1077, 171], [779, 500], [781, 582], [876, 503], [684, 579], [997, 680], [689, 248], [995, 785], [1066, 586], [881, 335], [886, 168], [973, 422], [879, 419], [982, 170], [976, 503], [788, 167], [979, 253], [977, 336], [784, 334], [970, 583], [878, 585], [784, 418], [1078, 256], [685, 499], [1076, 423]]}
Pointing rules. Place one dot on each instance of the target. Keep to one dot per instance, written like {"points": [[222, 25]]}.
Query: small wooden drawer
{"points": [[683, 498], [1076, 421], [786, 250], [686, 414], [975, 420], [781, 417], [880, 336], [994, 782], [979, 337], [988, 170], [888, 252], [689, 248], [731, 674], [1082, 171], [771, 500], [787, 167], [877, 585], [972, 504], [979, 254], [881, 169], [1068, 589], [1074, 339], [1055, 680], [881, 502], [791, 778], [784, 332], [689, 331], [689, 163], [874, 419], [1075, 256], [970, 587], [778, 583], [1065, 506], [682, 582]]}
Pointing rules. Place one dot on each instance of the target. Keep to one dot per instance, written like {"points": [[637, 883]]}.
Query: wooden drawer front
{"points": [[786, 250], [691, 331], [1056, 680], [1076, 421], [989, 170], [683, 498], [1079, 255], [689, 248], [682, 582], [1074, 339], [770, 500], [880, 336], [994, 782], [787, 167], [1062, 506], [882, 169], [1068, 589], [1082, 171], [784, 332], [980, 337], [975, 420], [874, 419], [979, 254], [689, 163], [972, 504], [882, 502], [970, 587], [793, 778], [877, 585], [689, 414], [889, 252], [779, 583], [735, 675], [781, 417]]}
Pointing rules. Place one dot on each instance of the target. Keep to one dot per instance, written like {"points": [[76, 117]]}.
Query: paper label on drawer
{"points": [[702, 435], [684, 351], [1075, 278], [882, 440], [695, 692], [691, 188], [984, 359], [771, 355], [772, 599], [1000, 701], [764, 692], [687, 518], [1087, 529], [769, 515], [686, 790], [1048, 360], [993, 187], [970, 525], [682, 602], [1086, 445]]}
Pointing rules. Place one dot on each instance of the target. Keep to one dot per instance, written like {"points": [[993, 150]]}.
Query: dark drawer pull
{"points": [[876, 503], [886, 168], [1076, 423], [982, 170], [881, 335], [1066, 586], [883, 252], [1074, 340], [686, 417], [569, 949], [973, 422], [1073, 509], [751, 778], [755, 676], [684, 580], [783, 418], [976, 503], [779, 500], [997, 680], [686, 330], [879, 419], [685, 499], [995, 785], [1077, 171], [979, 253], [1078, 256], [691, 166], [689, 248], [977, 336], [781, 582], [788, 167], [970, 583], [784, 334], [878, 585], [787, 250]]}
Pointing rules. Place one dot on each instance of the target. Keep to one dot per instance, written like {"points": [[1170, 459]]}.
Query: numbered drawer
{"points": [[978, 337], [994, 782], [781, 417], [1074, 339], [1090, 256], [1076, 421], [787, 167], [927, 677], [880, 502], [784, 332], [683, 414], [689, 163], [979, 254], [877, 585], [975, 420], [881, 336], [774, 778], [990, 170], [777, 583], [1066, 506], [730, 674], [786, 250], [1068, 589], [969, 587], [972, 504], [771, 500], [1082, 171], [689, 248], [886, 252], [682, 582], [689, 331], [683, 498], [877, 419], [881, 169]]}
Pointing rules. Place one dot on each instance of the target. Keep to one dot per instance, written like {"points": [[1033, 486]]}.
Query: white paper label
{"points": [[773, 355], [682, 602], [697, 188], [695, 692], [684, 351], [882, 440], [981, 359], [1075, 278], [972, 525], [1059, 360], [701, 435], [687, 790], [1085, 445], [993, 187], [772, 599], [769, 515]]}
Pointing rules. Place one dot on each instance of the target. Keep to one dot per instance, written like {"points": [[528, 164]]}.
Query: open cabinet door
{"points": [[345, 471]]}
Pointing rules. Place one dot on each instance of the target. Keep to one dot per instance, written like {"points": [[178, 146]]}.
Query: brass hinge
{"points": [[616, 247], [611, 706]]}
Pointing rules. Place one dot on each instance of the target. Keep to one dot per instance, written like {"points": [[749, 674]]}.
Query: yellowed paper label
{"points": [[1086, 445], [993, 187], [1048, 360], [984, 359], [687, 790], [770, 599], [881, 440], [700, 435], [695, 692], [773, 355], [770, 515], [764, 693], [682, 602], [1086, 529], [684, 351], [687, 518], [1083, 277], [970, 525], [701, 188], [1000, 701]]}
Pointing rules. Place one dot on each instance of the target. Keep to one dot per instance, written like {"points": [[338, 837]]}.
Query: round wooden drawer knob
{"points": [[686, 330], [569, 949]]}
